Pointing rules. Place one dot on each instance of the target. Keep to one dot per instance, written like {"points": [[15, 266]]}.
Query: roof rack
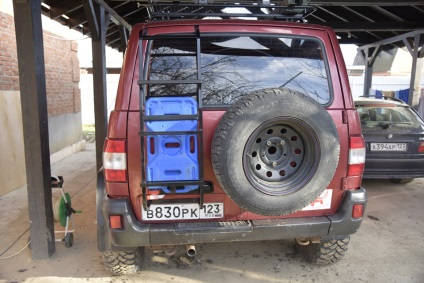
{"points": [[287, 10]]}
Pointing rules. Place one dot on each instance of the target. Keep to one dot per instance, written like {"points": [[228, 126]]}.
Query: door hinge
{"points": [[344, 184], [344, 117]]}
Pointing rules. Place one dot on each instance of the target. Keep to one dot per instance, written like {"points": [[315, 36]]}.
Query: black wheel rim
{"points": [[281, 156]]}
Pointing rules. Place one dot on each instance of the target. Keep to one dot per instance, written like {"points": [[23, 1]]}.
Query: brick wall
{"points": [[9, 76], [62, 68]]}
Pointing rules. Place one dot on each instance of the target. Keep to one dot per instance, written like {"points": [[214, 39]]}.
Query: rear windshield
{"points": [[234, 65], [391, 115]]}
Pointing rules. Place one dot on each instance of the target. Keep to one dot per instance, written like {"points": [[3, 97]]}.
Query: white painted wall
{"points": [[12, 164], [384, 83], [87, 98]]}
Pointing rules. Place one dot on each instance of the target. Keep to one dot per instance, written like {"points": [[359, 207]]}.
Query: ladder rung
{"points": [[144, 82], [175, 133], [168, 36], [170, 82], [172, 183], [174, 55], [206, 188], [170, 117], [190, 94]]}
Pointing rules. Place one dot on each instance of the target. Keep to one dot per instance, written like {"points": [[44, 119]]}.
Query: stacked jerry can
{"points": [[174, 156]]}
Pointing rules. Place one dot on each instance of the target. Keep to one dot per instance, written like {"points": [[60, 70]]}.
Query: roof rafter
{"points": [[355, 21]]}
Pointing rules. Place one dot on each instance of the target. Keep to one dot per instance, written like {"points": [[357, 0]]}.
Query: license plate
{"points": [[184, 211], [388, 147]]}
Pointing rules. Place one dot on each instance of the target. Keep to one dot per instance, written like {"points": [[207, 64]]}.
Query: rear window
{"points": [[235, 65], [391, 115]]}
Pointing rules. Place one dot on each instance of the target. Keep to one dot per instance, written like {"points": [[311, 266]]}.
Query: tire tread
{"points": [[325, 253], [223, 132], [122, 262]]}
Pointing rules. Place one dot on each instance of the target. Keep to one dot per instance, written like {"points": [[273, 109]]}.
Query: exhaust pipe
{"points": [[191, 250]]}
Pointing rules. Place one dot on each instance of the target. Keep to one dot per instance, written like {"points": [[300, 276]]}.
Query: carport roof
{"points": [[355, 22]]}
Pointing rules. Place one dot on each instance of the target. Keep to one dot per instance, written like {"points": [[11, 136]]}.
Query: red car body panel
{"points": [[124, 122]]}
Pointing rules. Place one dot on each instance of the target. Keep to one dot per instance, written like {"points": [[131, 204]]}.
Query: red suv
{"points": [[230, 130]]}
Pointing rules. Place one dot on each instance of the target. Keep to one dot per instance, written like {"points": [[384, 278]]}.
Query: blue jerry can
{"points": [[172, 157]]}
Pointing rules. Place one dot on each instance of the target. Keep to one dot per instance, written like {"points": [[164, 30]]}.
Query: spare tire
{"points": [[275, 151]]}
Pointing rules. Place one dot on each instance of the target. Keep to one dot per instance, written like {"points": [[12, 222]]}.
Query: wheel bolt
{"points": [[268, 142], [274, 163], [282, 142]]}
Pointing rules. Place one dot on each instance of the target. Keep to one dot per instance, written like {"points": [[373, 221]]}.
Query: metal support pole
{"points": [[32, 80], [98, 30], [369, 63], [413, 50], [367, 74]]}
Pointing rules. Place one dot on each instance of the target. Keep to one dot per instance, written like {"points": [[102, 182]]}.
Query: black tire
{"points": [[402, 181], [69, 240], [324, 253], [275, 151], [123, 262]]}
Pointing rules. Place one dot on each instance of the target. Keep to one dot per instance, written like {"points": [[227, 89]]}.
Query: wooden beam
{"points": [[90, 15], [366, 3], [393, 39], [63, 8], [32, 80], [123, 38], [99, 81], [369, 64], [414, 53], [111, 70], [374, 26], [117, 19]]}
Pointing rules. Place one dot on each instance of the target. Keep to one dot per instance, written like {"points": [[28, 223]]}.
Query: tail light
{"points": [[115, 221], [421, 148], [115, 160], [356, 156], [358, 211]]}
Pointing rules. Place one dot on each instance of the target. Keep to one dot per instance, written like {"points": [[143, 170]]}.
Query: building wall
{"points": [[383, 83], [63, 101], [87, 97]]}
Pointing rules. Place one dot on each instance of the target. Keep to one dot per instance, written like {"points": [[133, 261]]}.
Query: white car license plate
{"points": [[184, 211], [388, 147]]}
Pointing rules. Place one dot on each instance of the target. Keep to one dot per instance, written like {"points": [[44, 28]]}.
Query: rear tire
{"points": [[123, 262], [325, 252], [402, 181]]}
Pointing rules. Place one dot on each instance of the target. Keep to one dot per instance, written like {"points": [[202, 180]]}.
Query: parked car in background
{"points": [[394, 137]]}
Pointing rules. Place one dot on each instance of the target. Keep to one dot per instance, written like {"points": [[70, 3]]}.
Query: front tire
{"points": [[325, 252], [123, 262]]}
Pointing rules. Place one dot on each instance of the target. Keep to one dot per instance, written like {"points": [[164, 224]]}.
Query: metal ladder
{"points": [[144, 82]]}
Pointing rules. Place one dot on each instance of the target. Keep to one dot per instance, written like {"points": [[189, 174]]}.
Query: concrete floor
{"points": [[389, 247]]}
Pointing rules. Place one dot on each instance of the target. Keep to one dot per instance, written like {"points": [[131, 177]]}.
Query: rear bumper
{"points": [[385, 168], [135, 234]]}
